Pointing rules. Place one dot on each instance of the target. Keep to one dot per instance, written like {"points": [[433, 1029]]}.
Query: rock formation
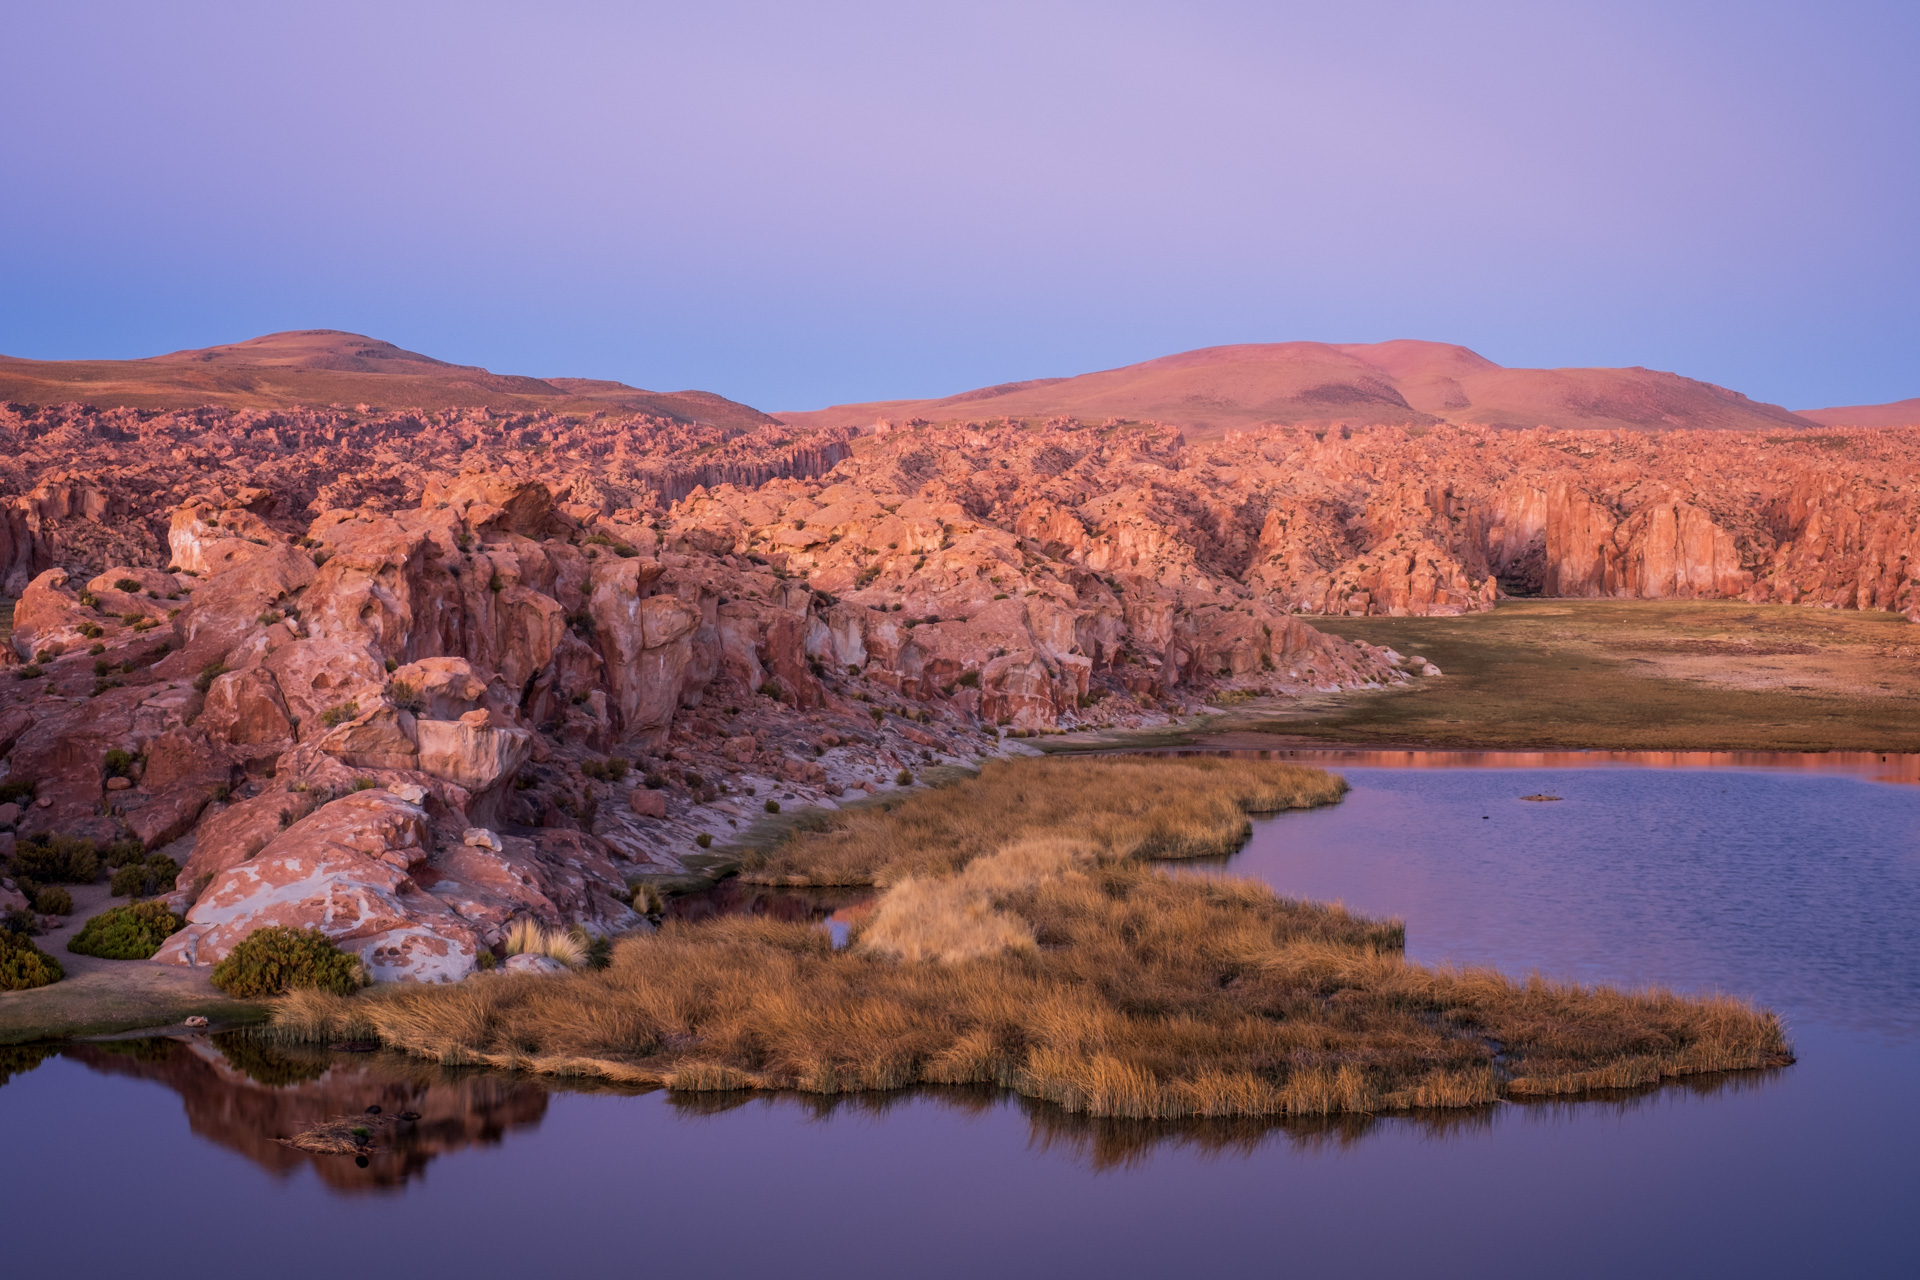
{"points": [[412, 677]]}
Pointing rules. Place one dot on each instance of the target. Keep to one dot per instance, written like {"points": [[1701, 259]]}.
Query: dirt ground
{"points": [[102, 996]]}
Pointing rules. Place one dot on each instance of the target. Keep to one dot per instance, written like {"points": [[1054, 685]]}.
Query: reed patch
{"points": [[1059, 963]]}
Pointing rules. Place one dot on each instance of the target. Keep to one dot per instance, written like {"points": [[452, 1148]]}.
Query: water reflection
{"points": [[249, 1097], [1874, 766]]}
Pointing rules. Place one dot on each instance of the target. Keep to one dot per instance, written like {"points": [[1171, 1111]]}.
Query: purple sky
{"points": [[799, 204]]}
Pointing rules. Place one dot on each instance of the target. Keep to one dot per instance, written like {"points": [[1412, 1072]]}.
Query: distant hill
{"points": [[326, 366], [1220, 388], [1901, 413]]}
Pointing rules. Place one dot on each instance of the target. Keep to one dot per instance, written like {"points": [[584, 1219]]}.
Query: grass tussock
{"points": [[527, 937], [1127, 807], [1056, 967]]}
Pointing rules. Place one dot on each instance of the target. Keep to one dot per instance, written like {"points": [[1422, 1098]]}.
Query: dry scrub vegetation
{"points": [[1024, 943], [1129, 807]]}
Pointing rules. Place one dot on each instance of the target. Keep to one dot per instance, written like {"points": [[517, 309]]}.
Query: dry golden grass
{"points": [[1126, 807], [1064, 968], [527, 937]]}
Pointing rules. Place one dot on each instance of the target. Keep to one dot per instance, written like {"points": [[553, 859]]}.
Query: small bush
{"points": [[23, 965], [655, 782], [132, 932], [91, 630], [877, 714], [96, 649], [903, 779], [402, 694], [496, 583], [609, 770], [339, 713], [53, 901], [704, 840], [88, 600], [144, 879], [119, 763], [126, 584], [208, 674], [768, 689], [773, 806], [16, 791], [364, 784], [29, 672], [279, 958], [51, 859], [121, 852]]}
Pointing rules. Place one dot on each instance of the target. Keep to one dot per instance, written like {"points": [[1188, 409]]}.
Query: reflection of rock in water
{"points": [[244, 1094]]}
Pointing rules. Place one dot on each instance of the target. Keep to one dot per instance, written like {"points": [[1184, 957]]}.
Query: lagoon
{"points": [[1797, 888]]}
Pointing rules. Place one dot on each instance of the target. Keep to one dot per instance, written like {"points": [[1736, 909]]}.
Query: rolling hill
{"points": [[307, 367], [1901, 413], [1216, 389]]}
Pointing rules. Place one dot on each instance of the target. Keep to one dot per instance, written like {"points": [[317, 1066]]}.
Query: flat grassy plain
{"points": [[1022, 940], [1636, 675]]}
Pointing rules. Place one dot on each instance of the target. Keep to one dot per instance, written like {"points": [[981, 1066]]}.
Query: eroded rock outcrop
{"points": [[325, 647]]}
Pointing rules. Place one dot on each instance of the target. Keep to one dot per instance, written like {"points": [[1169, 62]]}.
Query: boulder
{"points": [[345, 870]]}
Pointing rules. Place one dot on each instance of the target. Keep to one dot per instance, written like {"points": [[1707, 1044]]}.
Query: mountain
{"points": [[1901, 413], [1292, 383], [306, 367]]}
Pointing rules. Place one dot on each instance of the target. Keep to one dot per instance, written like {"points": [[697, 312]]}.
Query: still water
{"points": [[1800, 889]]}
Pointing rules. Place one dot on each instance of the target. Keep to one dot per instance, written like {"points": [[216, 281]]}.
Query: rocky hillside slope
{"points": [[412, 677]]}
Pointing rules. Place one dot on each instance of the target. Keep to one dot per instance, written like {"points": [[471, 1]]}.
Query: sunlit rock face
{"points": [[307, 651]]}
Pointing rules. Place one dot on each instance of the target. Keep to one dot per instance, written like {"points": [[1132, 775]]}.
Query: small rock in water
{"points": [[196, 1021], [1542, 796]]}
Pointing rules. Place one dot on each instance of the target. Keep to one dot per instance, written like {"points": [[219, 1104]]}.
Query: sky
{"points": [[800, 204]]}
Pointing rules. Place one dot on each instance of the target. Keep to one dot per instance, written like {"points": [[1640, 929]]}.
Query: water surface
{"points": [[1800, 890]]}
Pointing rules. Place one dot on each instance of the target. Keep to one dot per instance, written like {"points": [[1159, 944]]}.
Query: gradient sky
{"points": [[798, 204]]}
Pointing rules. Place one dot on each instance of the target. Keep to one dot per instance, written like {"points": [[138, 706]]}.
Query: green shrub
{"points": [[54, 859], [208, 674], [703, 840], [31, 671], [970, 680], [23, 965], [16, 791], [89, 600], [405, 696], [119, 763], [278, 958], [125, 584], [132, 932], [364, 784], [903, 779], [610, 770], [339, 714], [53, 901], [121, 852], [773, 806], [144, 879]]}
